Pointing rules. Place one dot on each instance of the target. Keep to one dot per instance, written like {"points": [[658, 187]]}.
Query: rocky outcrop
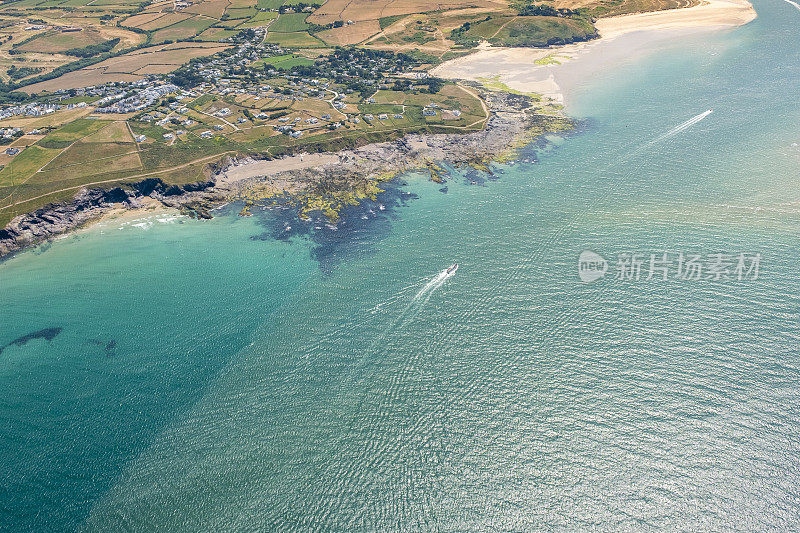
{"points": [[514, 120], [58, 218]]}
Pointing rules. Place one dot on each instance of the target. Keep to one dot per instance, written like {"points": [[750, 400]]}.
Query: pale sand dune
{"points": [[518, 70]]}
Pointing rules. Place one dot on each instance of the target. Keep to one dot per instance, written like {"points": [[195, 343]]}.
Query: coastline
{"points": [[326, 182], [90, 206], [525, 102], [539, 71]]}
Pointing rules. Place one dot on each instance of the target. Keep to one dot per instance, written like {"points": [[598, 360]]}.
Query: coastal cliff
{"points": [[89, 204]]}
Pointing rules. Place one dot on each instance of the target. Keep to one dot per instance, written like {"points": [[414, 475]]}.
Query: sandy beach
{"points": [[248, 169], [541, 70], [710, 14]]}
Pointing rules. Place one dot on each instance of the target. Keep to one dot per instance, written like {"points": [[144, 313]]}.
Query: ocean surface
{"points": [[258, 374]]}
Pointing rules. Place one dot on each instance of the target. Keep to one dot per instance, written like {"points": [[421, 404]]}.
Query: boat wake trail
{"points": [[434, 283], [686, 125], [408, 313], [402, 294], [795, 4]]}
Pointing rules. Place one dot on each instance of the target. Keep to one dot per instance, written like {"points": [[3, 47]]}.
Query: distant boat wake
{"points": [[686, 125], [795, 4], [643, 147]]}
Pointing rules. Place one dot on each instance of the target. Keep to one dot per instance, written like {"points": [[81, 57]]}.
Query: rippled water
{"points": [[264, 378]]}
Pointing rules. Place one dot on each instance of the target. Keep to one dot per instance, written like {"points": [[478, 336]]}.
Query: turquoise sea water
{"points": [[235, 375]]}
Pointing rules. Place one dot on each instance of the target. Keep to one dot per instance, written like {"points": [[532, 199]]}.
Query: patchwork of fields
{"points": [[59, 32], [256, 77], [130, 67]]}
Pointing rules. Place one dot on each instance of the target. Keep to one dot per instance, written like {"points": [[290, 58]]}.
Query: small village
{"points": [[261, 89]]}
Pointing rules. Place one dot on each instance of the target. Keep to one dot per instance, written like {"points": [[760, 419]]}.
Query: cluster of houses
{"points": [[241, 56], [136, 100], [344, 68], [101, 90], [369, 117], [232, 73], [33, 109], [10, 133], [40, 25], [289, 130], [7, 135]]}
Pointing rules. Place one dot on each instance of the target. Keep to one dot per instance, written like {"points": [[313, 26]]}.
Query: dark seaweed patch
{"points": [[357, 233], [108, 346], [475, 177], [48, 334]]}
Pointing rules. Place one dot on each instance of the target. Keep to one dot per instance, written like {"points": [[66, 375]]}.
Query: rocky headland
{"points": [[324, 183]]}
